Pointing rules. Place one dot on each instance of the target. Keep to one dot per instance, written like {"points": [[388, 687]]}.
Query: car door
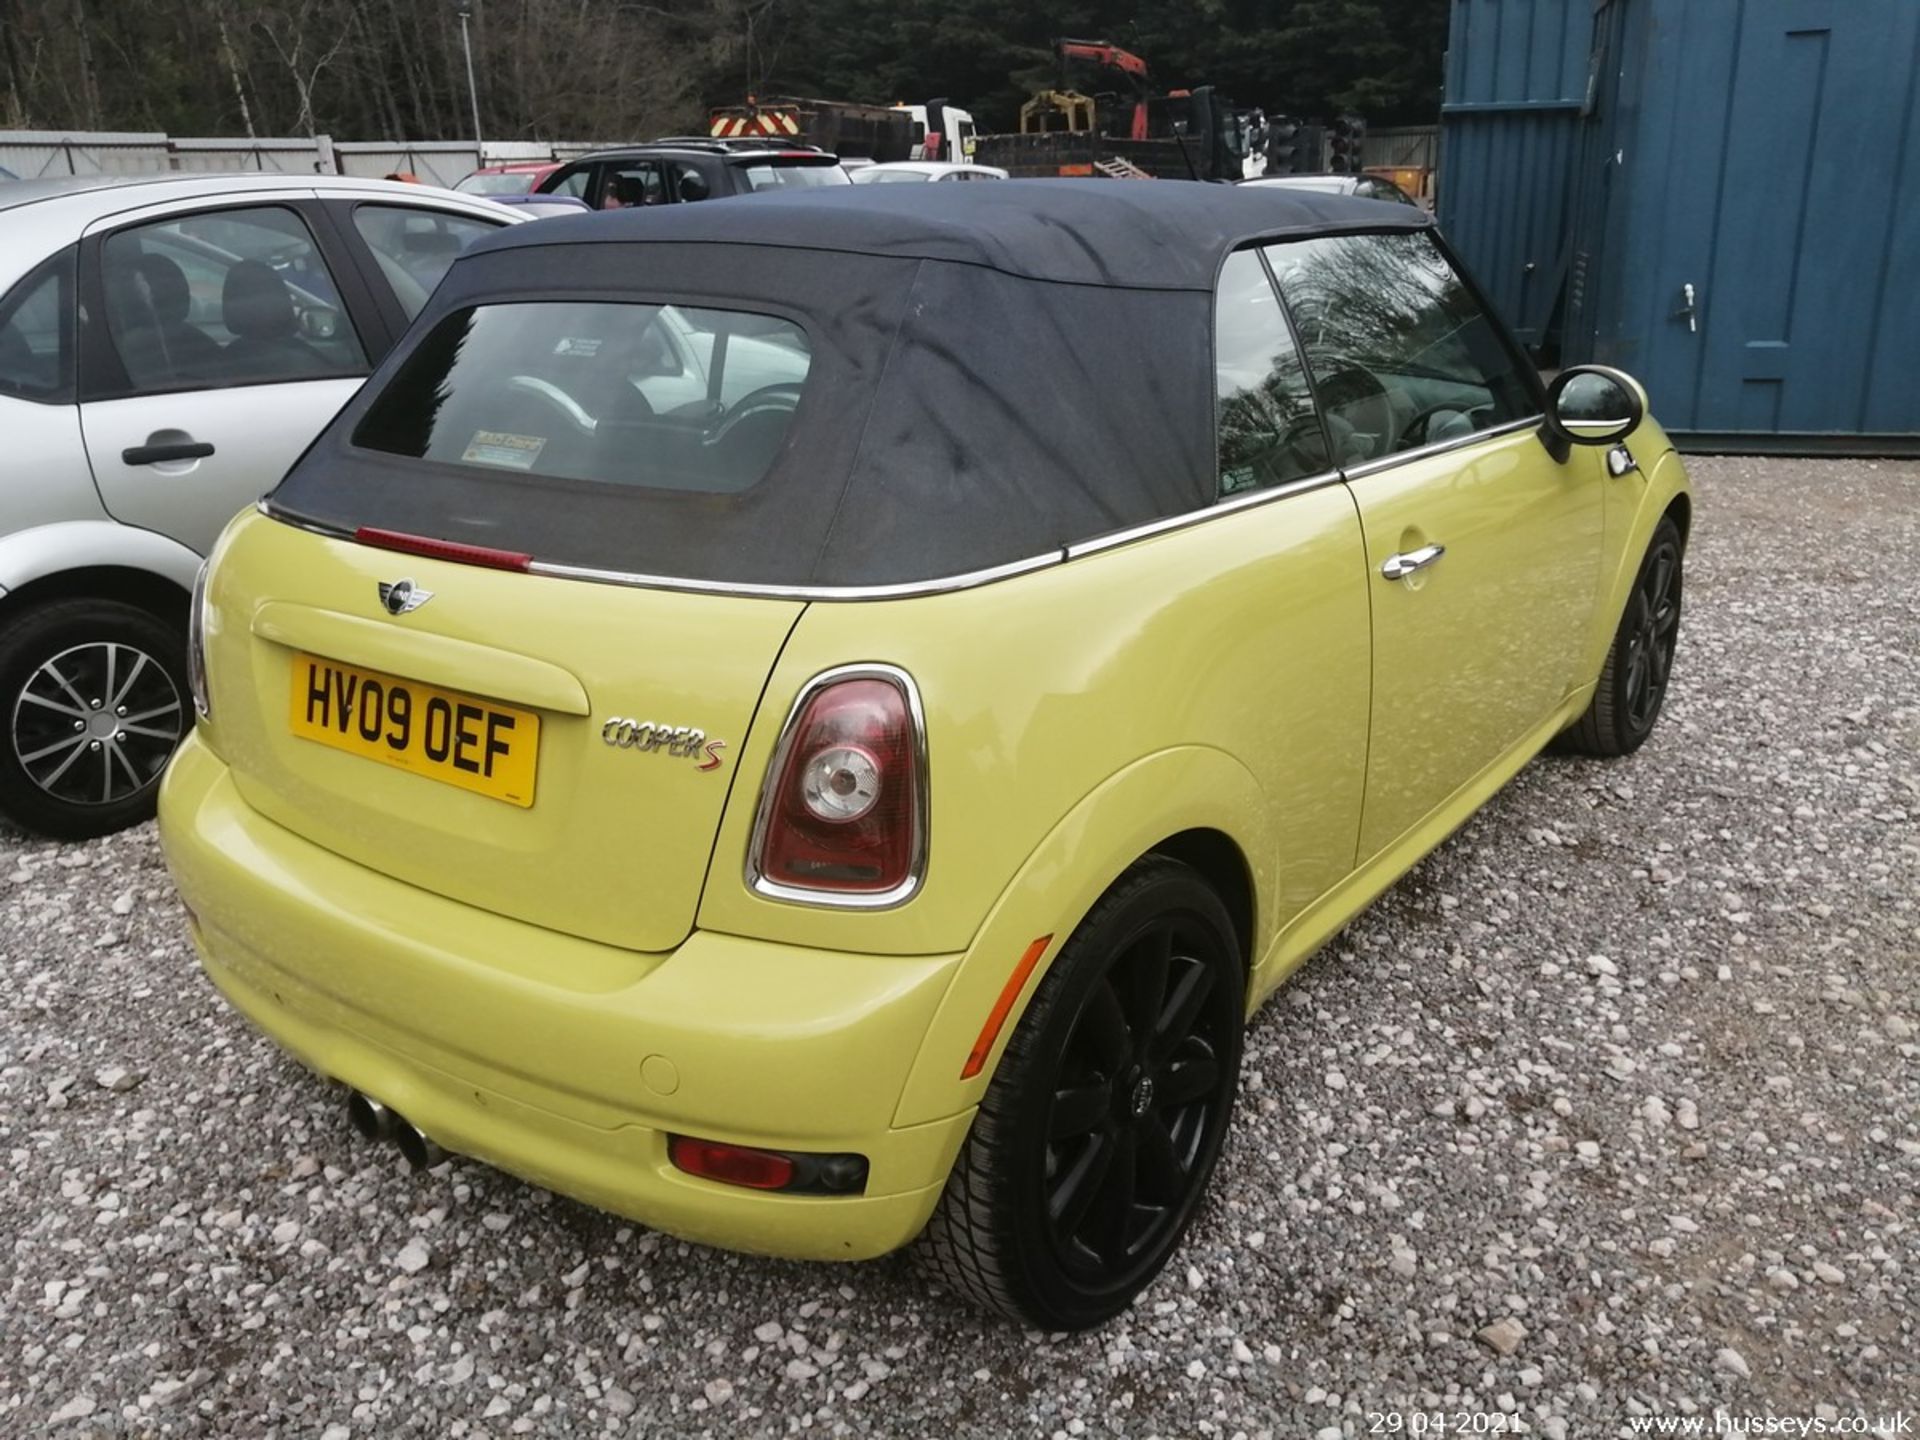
{"points": [[1483, 554], [219, 340]]}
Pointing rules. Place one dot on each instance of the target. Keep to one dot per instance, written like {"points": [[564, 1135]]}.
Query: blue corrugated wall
{"points": [[1516, 81]]}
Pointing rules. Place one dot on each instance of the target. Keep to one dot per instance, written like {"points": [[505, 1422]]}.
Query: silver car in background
{"points": [[169, 344]]}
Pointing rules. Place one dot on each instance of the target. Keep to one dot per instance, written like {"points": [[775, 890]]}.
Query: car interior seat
{"points": [[194, 353], [257, 307]]}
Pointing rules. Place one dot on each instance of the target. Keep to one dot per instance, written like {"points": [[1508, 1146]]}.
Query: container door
{"points": [[1756, 288]]}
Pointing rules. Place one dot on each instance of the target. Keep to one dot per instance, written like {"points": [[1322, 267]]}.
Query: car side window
{"points": [[573, 183], [1401, 353], [631, 185], [1268, 433], [226, 297], [36, 333], [415, 247]]}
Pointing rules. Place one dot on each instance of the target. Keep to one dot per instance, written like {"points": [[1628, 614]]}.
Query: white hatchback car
{"points": [[169, 344]]}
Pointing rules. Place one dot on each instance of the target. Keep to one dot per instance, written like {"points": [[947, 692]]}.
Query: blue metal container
{"points": [[1710, 195]]}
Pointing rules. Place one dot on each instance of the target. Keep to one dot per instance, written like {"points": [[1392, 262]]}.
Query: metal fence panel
{"points": [[282, 157], [37, 154], [1412, 147], [437, 162], [51, 154]]}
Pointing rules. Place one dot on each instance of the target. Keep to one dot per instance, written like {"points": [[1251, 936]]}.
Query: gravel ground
{"points": [[1610, 1109]]}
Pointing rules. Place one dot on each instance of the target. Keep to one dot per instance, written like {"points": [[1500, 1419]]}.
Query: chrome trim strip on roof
{"points": [[900, 591], [903, 590], [1197, 517], [1441, 447]]}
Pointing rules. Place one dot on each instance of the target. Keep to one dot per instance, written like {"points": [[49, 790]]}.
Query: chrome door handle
{"points": [[1398, 567]]}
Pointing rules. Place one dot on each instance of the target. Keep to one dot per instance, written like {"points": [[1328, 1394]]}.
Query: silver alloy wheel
{"points": [[96, 723]]}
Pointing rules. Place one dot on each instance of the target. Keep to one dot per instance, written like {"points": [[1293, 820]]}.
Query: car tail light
{"points": [[843, 818], [197, 644]]}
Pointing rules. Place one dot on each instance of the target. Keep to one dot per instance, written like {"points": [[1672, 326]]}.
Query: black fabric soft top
{"points": [[1138, 234], [998, 370]]}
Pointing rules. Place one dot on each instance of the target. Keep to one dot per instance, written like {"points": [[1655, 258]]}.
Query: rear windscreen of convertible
{"points": [[664, 397], [752, 414]]}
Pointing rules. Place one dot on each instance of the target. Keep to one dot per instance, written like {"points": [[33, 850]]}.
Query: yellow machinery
{"points": [[1053, 111]]}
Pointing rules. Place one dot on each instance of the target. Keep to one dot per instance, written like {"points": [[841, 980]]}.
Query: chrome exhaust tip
{"points": [[420, 1152], [371, 1118]]}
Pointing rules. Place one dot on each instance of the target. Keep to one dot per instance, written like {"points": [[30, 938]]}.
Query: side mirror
{"points": [[1591, 405], [319, 323]]}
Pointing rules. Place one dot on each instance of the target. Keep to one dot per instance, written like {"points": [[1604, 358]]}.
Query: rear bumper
{"points": [[566, 1062]]}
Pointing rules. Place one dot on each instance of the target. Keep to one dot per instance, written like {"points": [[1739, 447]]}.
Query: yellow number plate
{"points": [[479, 745]]}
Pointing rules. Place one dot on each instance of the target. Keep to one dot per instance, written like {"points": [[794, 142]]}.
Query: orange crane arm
{"points": [[1101, 53]]}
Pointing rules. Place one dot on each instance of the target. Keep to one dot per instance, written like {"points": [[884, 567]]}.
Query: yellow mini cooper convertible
{"points": [[811, 722]]}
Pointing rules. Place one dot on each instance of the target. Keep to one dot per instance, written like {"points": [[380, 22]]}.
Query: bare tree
{"points": [[233, 68], [291, 31]]}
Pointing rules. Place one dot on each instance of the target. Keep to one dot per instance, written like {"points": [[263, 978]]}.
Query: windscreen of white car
{"points": [[511, 182]]}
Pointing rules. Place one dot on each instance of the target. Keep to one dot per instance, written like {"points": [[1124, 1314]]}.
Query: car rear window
{"points": [[775, 173], [664, 397]]}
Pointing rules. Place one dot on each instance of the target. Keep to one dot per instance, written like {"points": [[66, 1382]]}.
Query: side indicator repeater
{"points": [[997, 1017]]}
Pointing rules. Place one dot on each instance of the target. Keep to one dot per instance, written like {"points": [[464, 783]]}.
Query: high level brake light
{"points": [[845, 812], [434, 549]]}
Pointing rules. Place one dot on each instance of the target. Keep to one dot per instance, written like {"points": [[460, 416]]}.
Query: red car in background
{"points": [[519, 178]]}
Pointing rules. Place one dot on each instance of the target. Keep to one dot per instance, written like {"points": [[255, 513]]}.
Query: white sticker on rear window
{"points": [[497, 447], [585, 346]]}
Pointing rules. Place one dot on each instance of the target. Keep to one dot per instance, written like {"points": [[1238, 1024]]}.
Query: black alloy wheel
{"points": [[1099, 1133], [94, 698], [1654, 614], [1639, 665], [1134, 1101]]}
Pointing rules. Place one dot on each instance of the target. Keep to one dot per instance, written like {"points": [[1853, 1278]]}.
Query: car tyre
{"points": [[59, 775], [1099, 1132], [1639, 667]]}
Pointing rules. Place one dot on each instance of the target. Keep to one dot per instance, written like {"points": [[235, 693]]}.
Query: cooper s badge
{"points": [[681, 742], [402, 597]]}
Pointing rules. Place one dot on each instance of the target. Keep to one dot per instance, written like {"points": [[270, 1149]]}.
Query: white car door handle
{"points": [[1398, 567]]}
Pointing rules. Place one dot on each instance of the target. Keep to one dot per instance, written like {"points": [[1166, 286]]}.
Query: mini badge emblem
{"points": [[403, 596]]}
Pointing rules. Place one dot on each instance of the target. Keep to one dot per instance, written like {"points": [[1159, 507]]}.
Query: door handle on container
{"points": [[1398, 567], [1688, 310], [153, 454]]}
